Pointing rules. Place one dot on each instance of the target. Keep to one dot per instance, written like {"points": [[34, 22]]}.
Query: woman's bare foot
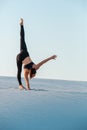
{"points": [[21, 21], [21, 87]]}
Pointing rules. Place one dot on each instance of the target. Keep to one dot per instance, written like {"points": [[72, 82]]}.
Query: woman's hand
{"points": [[54, 57]]}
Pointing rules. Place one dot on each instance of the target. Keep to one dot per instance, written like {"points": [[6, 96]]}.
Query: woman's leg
{"points": [[22, 39], [19, 69]]}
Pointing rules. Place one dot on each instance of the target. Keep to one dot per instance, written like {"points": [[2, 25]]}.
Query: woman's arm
{"points": [[44, 61], [26, 79]]}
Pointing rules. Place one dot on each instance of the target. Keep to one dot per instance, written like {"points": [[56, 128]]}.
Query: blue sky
{"points": [[51, 27]]}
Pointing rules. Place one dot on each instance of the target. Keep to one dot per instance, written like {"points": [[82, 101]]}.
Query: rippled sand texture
{"points": [[49, 105]]}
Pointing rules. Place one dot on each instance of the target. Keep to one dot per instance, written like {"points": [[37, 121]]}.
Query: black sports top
{"points": [[28, 66]]}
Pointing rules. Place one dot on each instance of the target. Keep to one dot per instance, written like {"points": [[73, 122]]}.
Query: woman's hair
{"points": [[33, 71]]}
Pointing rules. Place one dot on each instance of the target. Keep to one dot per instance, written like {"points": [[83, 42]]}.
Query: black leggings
{"points": [[22, 55], [22, 40]]}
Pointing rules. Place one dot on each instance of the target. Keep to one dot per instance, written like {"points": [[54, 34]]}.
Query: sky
{"points": [[51, 27]]}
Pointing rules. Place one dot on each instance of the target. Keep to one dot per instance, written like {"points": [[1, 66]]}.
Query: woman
{"points": [[24, 58]]}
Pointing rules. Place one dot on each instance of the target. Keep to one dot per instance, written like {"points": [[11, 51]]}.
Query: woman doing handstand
{"points": [[23, 58]]}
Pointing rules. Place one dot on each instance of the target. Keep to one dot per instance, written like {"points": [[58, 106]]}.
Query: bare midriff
{"points": [[27, 60]]}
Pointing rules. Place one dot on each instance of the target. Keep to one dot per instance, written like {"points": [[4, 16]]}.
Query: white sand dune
{"points": [[53, 105]]}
